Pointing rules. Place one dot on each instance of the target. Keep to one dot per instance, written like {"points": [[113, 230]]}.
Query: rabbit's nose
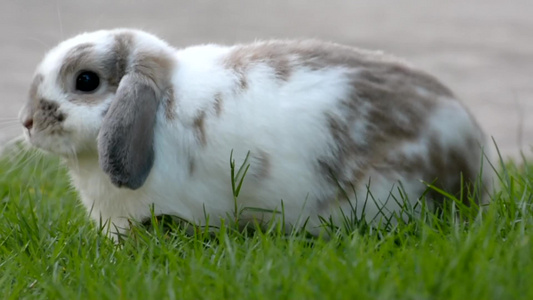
{"points": [[28, 123]]}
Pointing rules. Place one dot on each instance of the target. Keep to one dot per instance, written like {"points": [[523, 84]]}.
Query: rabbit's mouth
{"points": [[43, 128], [52, 139]]}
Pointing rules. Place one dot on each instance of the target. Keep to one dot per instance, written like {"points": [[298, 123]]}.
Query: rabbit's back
{"points": [[321, 122]]}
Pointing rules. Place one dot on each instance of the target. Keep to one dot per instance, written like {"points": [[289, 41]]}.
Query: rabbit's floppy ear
{"points": [[125, 141]]}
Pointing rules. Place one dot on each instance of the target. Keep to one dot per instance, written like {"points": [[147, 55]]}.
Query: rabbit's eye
{"points": [[87, 81]]}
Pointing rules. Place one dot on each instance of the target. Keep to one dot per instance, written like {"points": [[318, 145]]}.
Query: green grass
{"points": [[49, 249]]}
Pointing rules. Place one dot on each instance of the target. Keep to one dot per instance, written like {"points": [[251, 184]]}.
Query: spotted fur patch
{"points": [[199, 128]]}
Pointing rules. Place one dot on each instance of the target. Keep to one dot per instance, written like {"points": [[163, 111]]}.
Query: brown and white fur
{"points": [[321, 121]]}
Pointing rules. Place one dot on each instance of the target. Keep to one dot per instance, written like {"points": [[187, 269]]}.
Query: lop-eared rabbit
{"points": [[329, 129]]}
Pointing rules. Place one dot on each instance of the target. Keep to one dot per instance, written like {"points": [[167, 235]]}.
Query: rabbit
{"points": [[328, 130]]}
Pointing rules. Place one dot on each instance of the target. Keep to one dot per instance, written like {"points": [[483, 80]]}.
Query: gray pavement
{"points": [[482, 49]]}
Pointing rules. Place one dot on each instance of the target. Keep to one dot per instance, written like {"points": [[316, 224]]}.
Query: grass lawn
{"points": [[49, 249]]}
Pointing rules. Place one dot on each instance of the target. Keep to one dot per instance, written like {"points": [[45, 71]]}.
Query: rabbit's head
{"points": [[99, 93]]}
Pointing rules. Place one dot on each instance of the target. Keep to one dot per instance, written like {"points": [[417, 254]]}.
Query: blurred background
{"points": [[481, 49]]}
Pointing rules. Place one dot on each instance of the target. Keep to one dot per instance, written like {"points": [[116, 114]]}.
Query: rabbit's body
{"points": [[321, 121]]}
